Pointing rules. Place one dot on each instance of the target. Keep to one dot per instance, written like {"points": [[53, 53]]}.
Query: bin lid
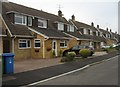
{"points": [[7, 54]]}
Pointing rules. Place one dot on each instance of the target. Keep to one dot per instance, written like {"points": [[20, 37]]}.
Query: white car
{"points": [[104, 47]]}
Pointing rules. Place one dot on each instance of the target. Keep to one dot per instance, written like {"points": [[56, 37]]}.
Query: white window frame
{"points": [[37, 42], [85, 31], [68, 28], [101, 34], [91, 32], [61, 26], [21, 16], [63, 41], [72, 28], [44, 23], [96, 33], [24, 42], [30, 21]]}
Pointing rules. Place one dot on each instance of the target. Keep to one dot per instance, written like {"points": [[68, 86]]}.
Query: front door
{"points": [[6, 46], [54, 47]]}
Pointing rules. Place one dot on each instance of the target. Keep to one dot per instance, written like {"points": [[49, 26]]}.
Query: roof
{"points": [[104, 31], [23, 30], [10, 6], [80, 25], [51, 33], [2, 32]]}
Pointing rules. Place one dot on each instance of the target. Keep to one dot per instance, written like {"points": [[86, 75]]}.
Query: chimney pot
{"points": [[97, 26], [107, 29], [92, 24], [73, 17], [60, 13], [110, 30]]}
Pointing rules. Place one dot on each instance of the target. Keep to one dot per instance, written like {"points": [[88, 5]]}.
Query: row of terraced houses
{"points": [[31, 33]]}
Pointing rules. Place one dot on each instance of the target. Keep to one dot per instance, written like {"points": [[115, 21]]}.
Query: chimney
{"points": [[97, 26], [110, 30], [92, 24], [73, 17], [60, 13], [107, 29]]}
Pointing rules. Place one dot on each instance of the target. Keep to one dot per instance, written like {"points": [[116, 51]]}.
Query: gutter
{"points": [[13, 39]]}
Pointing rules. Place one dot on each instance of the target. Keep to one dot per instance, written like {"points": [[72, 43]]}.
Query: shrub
{"points": [[53, 53], [85, 53], [69, 57], [110, 50], [60, 54]]}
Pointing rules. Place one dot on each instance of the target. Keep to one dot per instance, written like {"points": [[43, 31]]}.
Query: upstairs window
{"points": [[20, 19], [24, 43], [85, 31], [101, 34], [42, 23], [29, 21], [96, 33], [71, 28], [91, 32], [61, 26], [63, 44]]}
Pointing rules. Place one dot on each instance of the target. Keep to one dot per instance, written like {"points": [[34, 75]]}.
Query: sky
{"points": [[102, 12]]}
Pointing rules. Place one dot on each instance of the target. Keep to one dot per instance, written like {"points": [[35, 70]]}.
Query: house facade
{"points": [[31, 33], [86, 34]]}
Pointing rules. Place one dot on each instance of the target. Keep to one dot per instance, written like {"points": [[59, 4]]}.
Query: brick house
{"points": [[86, 34], [111, 38], [33, 33]]}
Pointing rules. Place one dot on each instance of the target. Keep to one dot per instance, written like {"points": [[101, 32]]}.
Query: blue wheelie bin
{"points": [[8, 63]]}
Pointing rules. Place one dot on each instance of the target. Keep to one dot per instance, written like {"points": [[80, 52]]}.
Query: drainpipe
{"points": [[44, 47], [13, 44]]}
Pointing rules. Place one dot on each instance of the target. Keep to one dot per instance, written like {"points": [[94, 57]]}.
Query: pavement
{"points": [[28, 77], [32, 64]]}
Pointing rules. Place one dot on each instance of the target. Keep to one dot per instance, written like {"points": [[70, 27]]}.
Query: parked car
{"points": [[118, 46], [105, 46], [77, 48]]}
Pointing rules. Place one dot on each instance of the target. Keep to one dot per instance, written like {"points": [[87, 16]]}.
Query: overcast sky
{"points": [[101, 12]]}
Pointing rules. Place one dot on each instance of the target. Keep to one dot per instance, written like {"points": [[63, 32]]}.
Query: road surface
{"points": [[105, 73]]}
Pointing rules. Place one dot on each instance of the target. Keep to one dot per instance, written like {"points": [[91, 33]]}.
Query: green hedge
{"points": [[69, 57], [85, 53]]}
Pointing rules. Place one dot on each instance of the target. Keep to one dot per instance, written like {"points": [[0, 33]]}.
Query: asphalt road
{"points": [[104, 73]]}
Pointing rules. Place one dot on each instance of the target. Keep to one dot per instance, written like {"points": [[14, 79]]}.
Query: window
{"points": [[96, 33], [91, 33], [68, 28], [63, 44], [36, 43], [42, 23], [29, 21], [24, 43], [61, 26], [71, 28], [101, 34], [20, 19], [85, 31]]}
